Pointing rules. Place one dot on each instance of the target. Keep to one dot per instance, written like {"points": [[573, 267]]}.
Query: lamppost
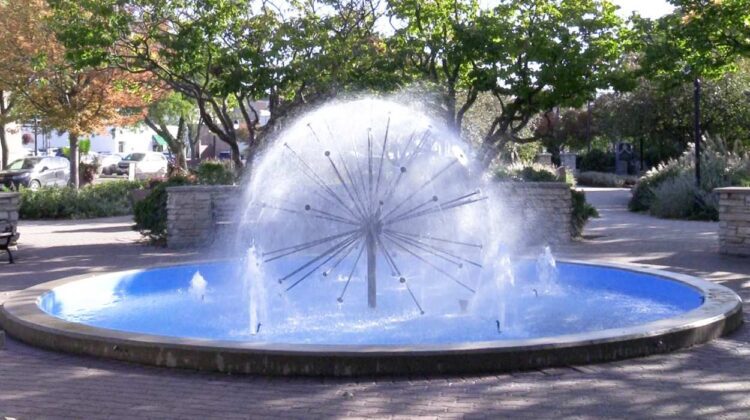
{"points": [[697, 129], [688, 71], [36, 132]]}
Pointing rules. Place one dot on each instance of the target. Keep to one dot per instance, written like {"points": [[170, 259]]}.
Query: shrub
{"points": [[582, 212], [671, 184], [87, 172], [102, 200], [151, 213], [596, 160], [604, 179], [213, 172], [533, 172], [680, 198], [643, 192]]}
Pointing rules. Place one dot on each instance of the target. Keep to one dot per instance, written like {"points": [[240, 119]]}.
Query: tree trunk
{"points": [[3, 147], [4, 111], [236, 158], [75, 180]]}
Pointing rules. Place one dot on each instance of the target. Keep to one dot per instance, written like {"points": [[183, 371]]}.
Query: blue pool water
{"points": [[216, 305]]}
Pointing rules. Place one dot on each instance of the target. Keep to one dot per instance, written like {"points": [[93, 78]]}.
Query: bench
{"points": [[8, 238]]}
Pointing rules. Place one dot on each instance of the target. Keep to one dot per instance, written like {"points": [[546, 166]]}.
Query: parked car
{"points": [[146, 164], [89, 158], [108, 163], [36, 172]]}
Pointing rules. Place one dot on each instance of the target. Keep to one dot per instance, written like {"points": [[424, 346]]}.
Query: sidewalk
{"points": [[710, 380]]}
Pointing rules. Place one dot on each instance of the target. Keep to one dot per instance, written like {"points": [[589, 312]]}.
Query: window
{"points": [[135, 156], [22, 164]]}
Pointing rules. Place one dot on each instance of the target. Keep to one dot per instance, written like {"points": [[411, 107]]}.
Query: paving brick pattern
{"points": [[712, 380]]}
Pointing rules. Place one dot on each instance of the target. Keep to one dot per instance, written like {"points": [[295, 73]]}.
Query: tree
{"points": [[173, 109], [717, 31], [439, 43], [79, 100], [701, 40], [661, 116], [531, 55], [573, 128], [225, 54], [214, 52]]}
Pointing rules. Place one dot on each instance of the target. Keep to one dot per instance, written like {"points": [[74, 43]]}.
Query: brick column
{"points": [[545, 209], [9, 203], [734, 220], [193, 212]]}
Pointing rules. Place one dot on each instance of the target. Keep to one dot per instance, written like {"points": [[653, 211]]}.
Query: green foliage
{"points": [[213, 172], [596, 160], [662, 117], [700, 39], [534, 172], [643, 192], [604, 179], [668, 190], [150, 214], [679, 198], [87, 172], [84, 146], [527, 56], [102, 200], [581, 213]]}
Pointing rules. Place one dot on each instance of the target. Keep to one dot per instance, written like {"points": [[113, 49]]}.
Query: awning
{"points": [[159, 140]]}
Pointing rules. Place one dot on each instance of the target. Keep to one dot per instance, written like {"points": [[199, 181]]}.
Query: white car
{"points": [[146, 165], [108, 163]]}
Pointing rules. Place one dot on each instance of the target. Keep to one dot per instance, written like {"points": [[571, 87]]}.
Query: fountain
{"points": [[369, 243]]}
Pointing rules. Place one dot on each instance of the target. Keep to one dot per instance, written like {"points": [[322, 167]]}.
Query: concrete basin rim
{"points": [[719, 303]]}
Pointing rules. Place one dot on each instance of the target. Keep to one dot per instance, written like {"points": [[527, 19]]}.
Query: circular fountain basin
{"points": [[163, 317]]}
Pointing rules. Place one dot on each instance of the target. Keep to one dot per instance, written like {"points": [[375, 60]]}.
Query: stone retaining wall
{"points": [[196, 213], [9, 203], [544, 210], [734, 221]]}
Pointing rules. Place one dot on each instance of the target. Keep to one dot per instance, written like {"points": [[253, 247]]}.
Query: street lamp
{"points": [[688, 71], [697, 129]]}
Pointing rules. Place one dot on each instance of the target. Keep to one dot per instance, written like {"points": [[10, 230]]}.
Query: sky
{"points": [[646, 8]]}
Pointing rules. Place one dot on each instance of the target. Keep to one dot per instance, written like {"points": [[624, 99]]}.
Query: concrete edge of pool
{"points": [[720, 314]]}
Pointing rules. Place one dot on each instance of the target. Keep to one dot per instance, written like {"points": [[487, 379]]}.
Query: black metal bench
{"points": [[8, 237]]}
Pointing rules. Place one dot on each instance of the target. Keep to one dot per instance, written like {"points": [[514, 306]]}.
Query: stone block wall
{"points": [[196, 214], [9, 203], [734, 220], [544, 210]]}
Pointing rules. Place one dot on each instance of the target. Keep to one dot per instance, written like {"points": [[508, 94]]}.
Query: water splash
{"points": [[491, 300], [546, 268], [256, 290], [198, 286], [372, 190]]}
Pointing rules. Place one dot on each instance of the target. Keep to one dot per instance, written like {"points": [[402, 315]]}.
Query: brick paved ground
{"points": [[712, 380]]}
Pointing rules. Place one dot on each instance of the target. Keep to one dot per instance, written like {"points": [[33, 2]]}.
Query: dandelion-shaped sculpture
{"points": [[370, 200]]}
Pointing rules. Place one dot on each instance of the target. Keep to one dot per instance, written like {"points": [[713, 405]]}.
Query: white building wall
{"points": [[16, 149], [115, 139]]}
